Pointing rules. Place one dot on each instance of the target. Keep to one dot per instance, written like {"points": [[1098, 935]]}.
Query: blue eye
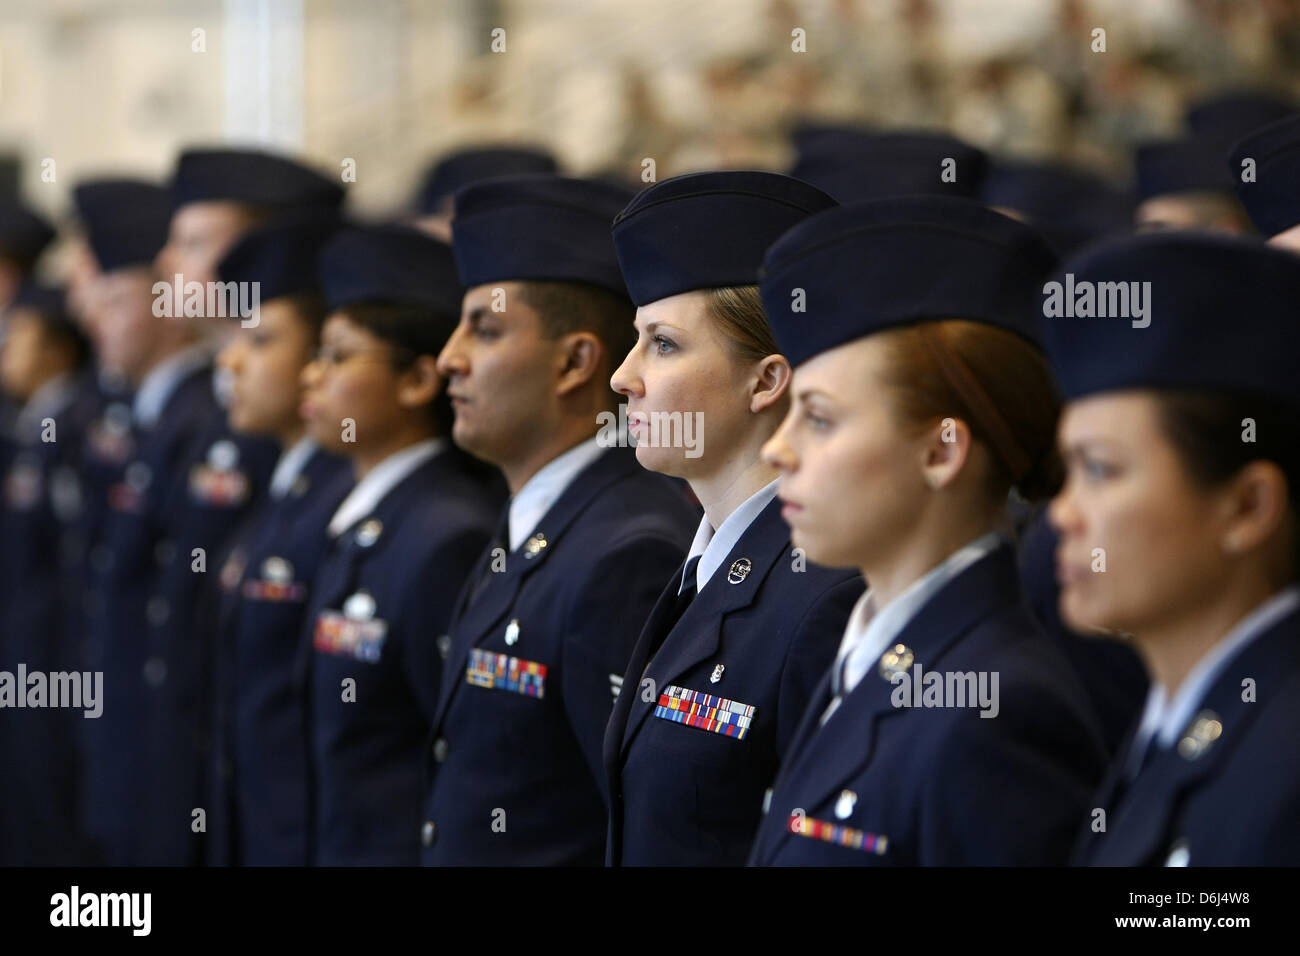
{"points": [[1095, 470], [660, 341]]}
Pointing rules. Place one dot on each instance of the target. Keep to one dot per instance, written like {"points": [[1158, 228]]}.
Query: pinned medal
{"points": [[845, 804], [444, 644], [223, 455], [369, 532], [359, 607], [138, 475], [717, 673], [1203, 732], [512, 632], [277, 570], [740, 569], [535, 545], [896, 661]]}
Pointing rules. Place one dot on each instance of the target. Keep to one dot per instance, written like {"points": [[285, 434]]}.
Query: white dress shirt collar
{"points": [[292, 461], [1165, 718], [379, 481], [870, 631], [163, 379], [714, 546], [542, 490]]}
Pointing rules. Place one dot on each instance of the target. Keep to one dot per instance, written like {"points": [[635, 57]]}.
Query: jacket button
{"points": [[428, 833], [440, 748], [155, 671], [157, 611]]}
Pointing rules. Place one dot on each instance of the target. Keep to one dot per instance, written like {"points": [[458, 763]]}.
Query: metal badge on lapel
{"points": [[717, 673], [444, 644], [359, 606], [369, 532], [535, 545], [512, 632], [740, 569], [896, 661], [845, 804], [223, 455], [276, 583], [1203, 732]]}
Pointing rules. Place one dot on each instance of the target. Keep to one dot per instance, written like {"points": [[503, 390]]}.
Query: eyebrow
{"points": [[810, 393], [654, 324], [476, 313]]}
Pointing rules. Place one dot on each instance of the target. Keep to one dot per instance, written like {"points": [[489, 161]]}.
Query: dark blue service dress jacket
{"points": [[515, 757], [261, 779], [381, 597], [881, 784], [119, 781], [1228, 793], [710, 704], [222, 479]]}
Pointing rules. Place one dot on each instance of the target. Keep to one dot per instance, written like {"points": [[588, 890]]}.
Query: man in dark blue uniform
{"points": [[166, 364], [219, 194], [41, 361], [400, 543], [544, 630], [260, 776]]}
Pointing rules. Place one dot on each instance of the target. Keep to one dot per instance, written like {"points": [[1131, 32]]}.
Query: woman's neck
{"points": [[725, 491], [923, 548]]}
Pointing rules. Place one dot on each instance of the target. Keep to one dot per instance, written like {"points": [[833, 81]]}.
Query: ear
{"points": [[1254, 507], [773, 379], [420, 384], [944, 452], [580, 356]]}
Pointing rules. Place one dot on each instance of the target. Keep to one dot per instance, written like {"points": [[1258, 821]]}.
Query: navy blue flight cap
{"points": [[251, 176], [886, 263], [282, 256], [46, 299], [457, 170], [707, 230], [539, 227], [23, 233], [125, 220], [1273, 199], [1226, 117], [1219, 314], [1069, 206], [390, 264], [1181, 165], [853, 166]]}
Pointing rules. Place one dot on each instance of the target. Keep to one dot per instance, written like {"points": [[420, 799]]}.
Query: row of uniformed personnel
{"points": [[395, 591]]}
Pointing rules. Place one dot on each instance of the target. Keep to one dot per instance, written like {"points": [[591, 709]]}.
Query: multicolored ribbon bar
{"points": [[695, 708], [344, 637], [835, 833], [503, 672]]}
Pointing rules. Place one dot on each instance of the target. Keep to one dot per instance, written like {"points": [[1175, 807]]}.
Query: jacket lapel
{"points": [[826, 756], [698, 632], [1152, 798], [488, 611]]}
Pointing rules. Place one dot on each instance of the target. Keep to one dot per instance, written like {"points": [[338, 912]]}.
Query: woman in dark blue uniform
{"points": [[950, 730], [258, 813], [719, 679], [1178, 527], [400, 544]]}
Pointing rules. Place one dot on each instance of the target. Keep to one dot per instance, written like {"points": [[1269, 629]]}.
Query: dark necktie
{"points": [[501, 539]]}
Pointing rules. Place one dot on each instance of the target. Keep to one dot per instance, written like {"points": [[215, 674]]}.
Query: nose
{"points": [[451, 360], [776, 451], [1062, 514], [311, 374], [231, 356], [625, 379]]}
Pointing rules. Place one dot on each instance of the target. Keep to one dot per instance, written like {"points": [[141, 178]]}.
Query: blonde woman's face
{"points": [[688, 393]]}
